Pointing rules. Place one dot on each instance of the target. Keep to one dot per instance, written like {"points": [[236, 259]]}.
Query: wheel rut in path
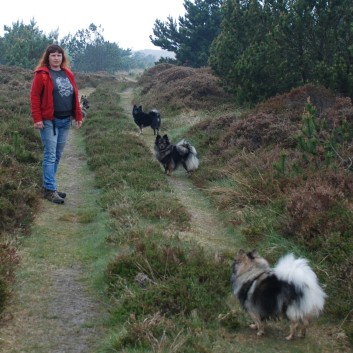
{"points": [[205, 226]]}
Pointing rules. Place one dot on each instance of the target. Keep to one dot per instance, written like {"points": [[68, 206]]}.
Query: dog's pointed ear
{"points": [[241, 253], [253, 254], [240, 256]]}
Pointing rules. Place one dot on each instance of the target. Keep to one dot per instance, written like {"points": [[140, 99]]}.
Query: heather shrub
{"points": [[311, 207], [209, 132], [150, 207], [290, 105], [20, 149], [251, 178], [285, 168], [259, 130], [177, 87], [178, 280], [94, 79], [152, 331]]}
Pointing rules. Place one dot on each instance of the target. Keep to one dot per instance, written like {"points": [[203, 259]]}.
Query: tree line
{"points": [[258, 48], [23, 44]]}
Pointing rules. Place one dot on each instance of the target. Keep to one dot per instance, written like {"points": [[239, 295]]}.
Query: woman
{"points": [[54, 101]]}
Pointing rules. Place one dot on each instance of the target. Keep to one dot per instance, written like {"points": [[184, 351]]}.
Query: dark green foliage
{"points": [[266, 48], [23, 45], [281, 165], [190, 39], [89, 51], [323, 140]]}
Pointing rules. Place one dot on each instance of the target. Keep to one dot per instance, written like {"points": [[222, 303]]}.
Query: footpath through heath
{"points": [[54, 308]]}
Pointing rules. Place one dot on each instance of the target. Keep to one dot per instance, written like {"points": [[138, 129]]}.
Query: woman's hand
{"points": [[38, 125], [78, 124]]}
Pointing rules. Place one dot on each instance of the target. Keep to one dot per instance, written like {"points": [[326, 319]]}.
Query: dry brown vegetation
{"points": [[311, 192], [18, 171], [287, 163], [177, 87], [253, 166]]}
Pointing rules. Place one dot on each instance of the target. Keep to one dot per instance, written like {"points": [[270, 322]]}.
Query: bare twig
{"points": [[345, 319]]}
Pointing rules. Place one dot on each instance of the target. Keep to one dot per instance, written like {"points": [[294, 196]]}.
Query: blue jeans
{"points": [[53, 145]]}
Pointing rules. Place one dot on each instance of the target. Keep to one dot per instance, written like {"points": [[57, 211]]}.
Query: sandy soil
{"points": [[52, 309]]}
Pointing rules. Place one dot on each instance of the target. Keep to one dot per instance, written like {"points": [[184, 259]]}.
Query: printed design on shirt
{"points": [[64, 86]]}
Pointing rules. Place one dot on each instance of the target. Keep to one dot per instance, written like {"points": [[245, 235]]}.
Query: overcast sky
{"points": [[128, 23]]}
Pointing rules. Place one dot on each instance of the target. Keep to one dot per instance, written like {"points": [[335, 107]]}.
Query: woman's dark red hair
{"points": [[53, 48]]}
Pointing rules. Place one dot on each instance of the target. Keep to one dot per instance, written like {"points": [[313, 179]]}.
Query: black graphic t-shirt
{"points": [[63, 94]]}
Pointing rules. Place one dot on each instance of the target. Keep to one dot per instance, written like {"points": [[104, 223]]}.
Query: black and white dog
{"points": [[142, 119], [291, 289], [173, 155], [84, 104]]}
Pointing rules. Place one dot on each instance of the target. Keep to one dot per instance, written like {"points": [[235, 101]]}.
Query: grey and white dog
{"points": [[171, 156], [290, 289]]}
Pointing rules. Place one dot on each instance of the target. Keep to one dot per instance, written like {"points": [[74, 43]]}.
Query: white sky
{"points": [[128, 23]]}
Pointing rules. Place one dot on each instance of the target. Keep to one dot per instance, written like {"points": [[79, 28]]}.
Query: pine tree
{"points": [[190, 39]]}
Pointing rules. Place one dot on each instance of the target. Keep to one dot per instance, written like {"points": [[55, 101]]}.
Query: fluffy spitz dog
{"points": [[143, 119], [171, 156], [84, 104], [290, 289]]}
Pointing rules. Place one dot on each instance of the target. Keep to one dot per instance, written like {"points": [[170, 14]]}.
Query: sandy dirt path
{"points": [[53, 309]]}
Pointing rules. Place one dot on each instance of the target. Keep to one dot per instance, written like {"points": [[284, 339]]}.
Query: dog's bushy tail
{"points": [[156, 119], [186, 149], [298, 272], [155, 112]]}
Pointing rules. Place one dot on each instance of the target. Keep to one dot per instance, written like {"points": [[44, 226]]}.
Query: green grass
{"points": [[132, 221], [185, 305]]}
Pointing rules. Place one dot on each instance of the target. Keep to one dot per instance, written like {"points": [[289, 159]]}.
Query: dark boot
{"points": [[61, 194], [52, 195]]}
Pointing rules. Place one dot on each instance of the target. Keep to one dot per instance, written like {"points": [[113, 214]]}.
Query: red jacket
{"points": [[42, 103]]}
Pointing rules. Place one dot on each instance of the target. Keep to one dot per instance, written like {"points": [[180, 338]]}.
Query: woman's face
{"points": [[55, 60]]}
